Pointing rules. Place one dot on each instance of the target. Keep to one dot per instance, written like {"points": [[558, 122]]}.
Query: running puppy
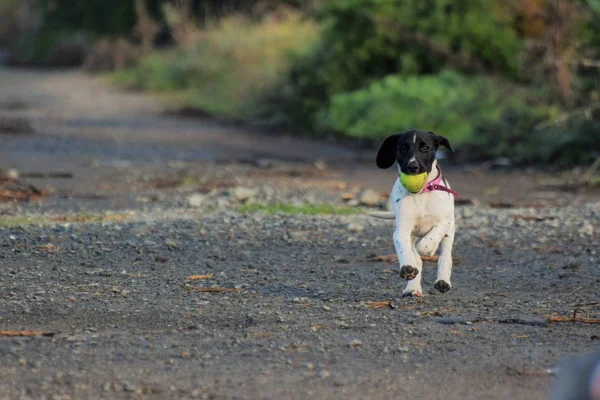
{"points": [[425, 214]]}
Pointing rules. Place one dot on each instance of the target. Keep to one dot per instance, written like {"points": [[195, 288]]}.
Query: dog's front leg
{"points": [[442, 283], [410, 262], [428, 245]]}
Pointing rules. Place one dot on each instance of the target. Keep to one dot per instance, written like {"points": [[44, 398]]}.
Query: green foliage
{"points": [[366, 40], [396, 34], [448, 102]]}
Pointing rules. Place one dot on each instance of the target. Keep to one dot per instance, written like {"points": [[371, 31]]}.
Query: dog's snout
{"points": [[412, 167]]}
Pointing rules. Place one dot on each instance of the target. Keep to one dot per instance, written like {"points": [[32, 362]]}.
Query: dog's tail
{"points": [[381, 214]]}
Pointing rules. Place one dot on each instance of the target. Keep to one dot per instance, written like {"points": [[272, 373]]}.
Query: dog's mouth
{"points": [[419, 171]]}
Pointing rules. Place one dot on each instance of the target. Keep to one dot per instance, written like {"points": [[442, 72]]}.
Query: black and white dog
{"points": [[424, 220]]}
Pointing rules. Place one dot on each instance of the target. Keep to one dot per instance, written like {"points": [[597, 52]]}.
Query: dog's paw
{"points": [[442, 286], [411, 292], [408, 272]]}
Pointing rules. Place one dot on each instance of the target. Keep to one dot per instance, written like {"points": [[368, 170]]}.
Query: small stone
{"points": [[243, 194], [222, 202], [171, 244], [342, 324], [129, 387], [369, 197], [196, 200], [321, 165], [324, 374], [355, 227], [587, 229], [326, 308], [355, 343]]}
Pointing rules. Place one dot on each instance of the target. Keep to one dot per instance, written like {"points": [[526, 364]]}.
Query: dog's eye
{"points": [[403, 148], [424, 148]]}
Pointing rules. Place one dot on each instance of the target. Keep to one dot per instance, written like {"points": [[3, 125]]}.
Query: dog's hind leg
{"points": [[442, 283]]}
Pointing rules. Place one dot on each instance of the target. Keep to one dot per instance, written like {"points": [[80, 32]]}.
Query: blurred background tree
{"points": [[501, 78]]}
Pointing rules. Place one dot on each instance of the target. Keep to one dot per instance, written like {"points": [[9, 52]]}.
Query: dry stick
{"points": [[199, 277], [26, 333], [56, 175], [563, 117], [586, 62], [563, 318], [215, 290], [380, 304]]}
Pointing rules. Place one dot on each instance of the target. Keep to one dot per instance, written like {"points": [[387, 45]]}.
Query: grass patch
{"points": [[305, 209], [12, 222]]}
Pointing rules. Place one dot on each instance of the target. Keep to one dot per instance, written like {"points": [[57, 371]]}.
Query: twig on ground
{"points": [[214, 290], [55, 175], [574, 318], [380, 304], [199, 277]]}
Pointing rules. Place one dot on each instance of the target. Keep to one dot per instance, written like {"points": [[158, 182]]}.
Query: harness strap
{"points": [[435, 185]]}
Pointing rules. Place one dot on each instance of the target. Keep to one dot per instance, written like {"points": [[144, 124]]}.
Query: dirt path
{"points": [[103, 265]]}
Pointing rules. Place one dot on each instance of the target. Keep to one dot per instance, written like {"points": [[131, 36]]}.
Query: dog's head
{"points": [[414, 150]]}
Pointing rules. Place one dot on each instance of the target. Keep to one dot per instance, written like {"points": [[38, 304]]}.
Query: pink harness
{"points": [[435, 185]]}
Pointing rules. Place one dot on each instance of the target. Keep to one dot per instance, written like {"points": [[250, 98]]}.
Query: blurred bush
{"points": [[446, 102], [227, 66], [485, 73], [366, 40], [501, 78]]}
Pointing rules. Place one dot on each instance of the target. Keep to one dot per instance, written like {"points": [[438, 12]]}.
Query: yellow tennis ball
{"points": [[413, 183]]}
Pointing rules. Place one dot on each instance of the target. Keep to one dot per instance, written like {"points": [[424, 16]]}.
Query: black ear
{"points": [[442, 141], [386, 156]]}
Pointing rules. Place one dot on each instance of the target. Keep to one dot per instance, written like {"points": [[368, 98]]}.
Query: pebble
{"points": [[243, 194], [355, 227], [369, 197], [355, 343], [324, 374], [196, 200], [587, 229]]}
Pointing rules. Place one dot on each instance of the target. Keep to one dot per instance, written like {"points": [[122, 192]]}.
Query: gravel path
{"points": [[103, 264]]}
